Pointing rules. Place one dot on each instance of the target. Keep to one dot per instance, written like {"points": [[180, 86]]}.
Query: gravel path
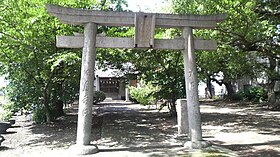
{"points": [[121, 129]]}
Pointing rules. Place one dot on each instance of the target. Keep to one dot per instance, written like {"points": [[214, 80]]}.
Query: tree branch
{"points": [[29, 73]]}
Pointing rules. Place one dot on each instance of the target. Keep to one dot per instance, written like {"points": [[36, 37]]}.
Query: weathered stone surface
{"points": [[97, 88], [191, 86], [182, 117], [197, 144], [86, 85], [115, 42], [127, 94], [83, 149], [144, 30], [82, 16]]}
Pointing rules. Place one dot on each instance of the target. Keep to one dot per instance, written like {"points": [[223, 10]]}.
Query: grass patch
{"points": [[213, 151]]}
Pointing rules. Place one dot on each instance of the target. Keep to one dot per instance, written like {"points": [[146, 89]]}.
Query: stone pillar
{"points": [[127, 91], [97, 83], [86, 92], [192, 87], [126, 94], [182, 117]]}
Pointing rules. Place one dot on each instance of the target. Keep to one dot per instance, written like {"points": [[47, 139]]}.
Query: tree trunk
{"points": [[209, 88], [229, 88], [47, 107], [271, 94], [59, 108], [172, 109], [272, 79], [48, 113], [59, 102]]}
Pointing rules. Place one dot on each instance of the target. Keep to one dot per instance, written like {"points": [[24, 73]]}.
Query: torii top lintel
{"points": [[110, 18]]}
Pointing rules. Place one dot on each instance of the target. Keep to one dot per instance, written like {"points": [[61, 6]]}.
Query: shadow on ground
{"points": [[132, 128], [248, 130], [59, 134]]}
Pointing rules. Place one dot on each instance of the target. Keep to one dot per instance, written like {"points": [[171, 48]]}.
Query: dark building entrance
{"points": [[112, 87]]}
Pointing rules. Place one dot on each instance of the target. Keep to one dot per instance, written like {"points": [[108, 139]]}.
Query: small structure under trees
{"points": [[145, 24]]}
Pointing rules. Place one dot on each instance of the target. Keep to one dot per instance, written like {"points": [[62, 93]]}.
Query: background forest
{"points": [[42, 77]]}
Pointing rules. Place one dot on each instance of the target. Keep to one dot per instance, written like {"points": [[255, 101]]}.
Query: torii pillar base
{"points": [[197, 144], [83, 149]]}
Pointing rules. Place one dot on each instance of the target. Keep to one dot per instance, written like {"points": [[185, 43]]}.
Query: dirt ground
{"points": [[125, 129]]}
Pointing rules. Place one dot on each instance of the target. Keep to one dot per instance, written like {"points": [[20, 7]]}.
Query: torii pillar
{"points": [[144, 24], [191, 82], [86, 85]]}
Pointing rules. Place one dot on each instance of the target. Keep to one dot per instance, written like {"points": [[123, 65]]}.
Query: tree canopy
{"points": [[40, 75], [44, 77], [249, 35]]}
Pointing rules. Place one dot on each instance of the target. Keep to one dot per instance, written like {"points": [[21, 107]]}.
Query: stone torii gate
{"points": [[144, 24]]}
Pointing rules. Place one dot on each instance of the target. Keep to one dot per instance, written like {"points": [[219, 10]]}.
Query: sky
{"points": [[147, 5], [2, 82]]}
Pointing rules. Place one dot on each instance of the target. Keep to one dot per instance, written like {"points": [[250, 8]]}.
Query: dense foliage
{"points": [[98, 96], [5, 114], [144, 94], [41, 76], [248, 41], [254, 94]]}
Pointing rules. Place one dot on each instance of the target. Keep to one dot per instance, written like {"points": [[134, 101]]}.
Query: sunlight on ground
{"points": [[245, 138], [134, 130], [213, 109], [247, 128]]}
